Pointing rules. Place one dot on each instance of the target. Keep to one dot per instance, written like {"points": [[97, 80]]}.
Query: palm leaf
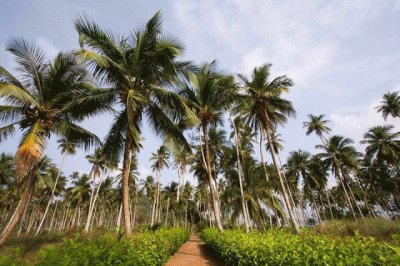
{"points": [[30, 149]]}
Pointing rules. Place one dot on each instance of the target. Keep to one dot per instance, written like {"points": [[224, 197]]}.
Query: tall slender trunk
{"points": [[156, 218], [166, 215], [246, 221], [278, 171], [119, 218], [52, 194], [52, 218], [179, 182], [153, 211], [125, 183], [213, 190], [90, 214], [341, 180], [29, 187]]}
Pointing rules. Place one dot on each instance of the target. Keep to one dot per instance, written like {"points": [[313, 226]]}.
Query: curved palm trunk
{"points": [[90, 215], [52, 218], [213, 189], [339, 174], [125, 183], [246, 221], [29, 187], [265, 122], [265, 170], [52, 195], [158, 203], [179, 183]]}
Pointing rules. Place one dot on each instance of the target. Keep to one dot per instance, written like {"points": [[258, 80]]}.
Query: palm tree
{"points": [[208, 93], [383, 144], [390, 105], [318, 125], [239, 170], [160, 159], [7, 169], [79, 192], [149, 188], [338, 155], [67, 147], [298, 165], [137, 68], [41, 103], [100, 164], [263, 107]]}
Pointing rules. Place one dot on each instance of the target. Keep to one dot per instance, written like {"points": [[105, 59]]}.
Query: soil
{"points": [[194, 253]]}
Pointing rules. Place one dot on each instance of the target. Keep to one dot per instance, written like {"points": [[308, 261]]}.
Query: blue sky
{"points": [[342, 55]]}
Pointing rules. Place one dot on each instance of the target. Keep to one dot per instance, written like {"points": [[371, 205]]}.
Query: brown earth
{"points": [[194, 253]]}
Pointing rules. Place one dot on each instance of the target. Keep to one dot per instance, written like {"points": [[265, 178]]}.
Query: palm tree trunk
{"points": [[329, 202], [125, 183], [29, 187], [246, 221], [278, 171], [213, 189], [153, 210], [156, 218], [166, 215], [339, 174], [52, 218], [179, 182], [119, 218], [90, 214], [52, 194]]}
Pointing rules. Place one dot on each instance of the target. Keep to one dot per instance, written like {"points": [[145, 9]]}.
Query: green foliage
{"points": [[147, 248], [278, 247]]}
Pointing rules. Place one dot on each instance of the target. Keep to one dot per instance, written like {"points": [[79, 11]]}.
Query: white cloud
{"points": [[48, 46], [354, 121]]}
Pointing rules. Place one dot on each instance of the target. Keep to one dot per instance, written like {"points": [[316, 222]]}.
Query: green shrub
{"points": [[147, 248], [279, 247]]}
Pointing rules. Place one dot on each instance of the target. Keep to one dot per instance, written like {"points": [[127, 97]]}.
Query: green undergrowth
{"points": [[280, 247], [145, 248]]}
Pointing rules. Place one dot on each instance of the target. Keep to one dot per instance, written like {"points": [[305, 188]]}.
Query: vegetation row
{"points": [[280, 247], [144, 248]]}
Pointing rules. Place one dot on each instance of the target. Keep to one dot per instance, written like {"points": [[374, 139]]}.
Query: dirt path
{"points": [[194, 253]]}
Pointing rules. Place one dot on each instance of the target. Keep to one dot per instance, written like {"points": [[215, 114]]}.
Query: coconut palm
{"points": [[137, 70], [67, 148], [7, 169], [339, 155], [208, 93], [239, 171], [263, 107], [317, 124], [390, 105], [160, 161], [100, 164], [383, 144], [41, 103], [298, 165]]}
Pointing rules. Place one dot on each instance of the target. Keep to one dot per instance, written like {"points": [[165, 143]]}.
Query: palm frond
{"points": [[30, 149]]}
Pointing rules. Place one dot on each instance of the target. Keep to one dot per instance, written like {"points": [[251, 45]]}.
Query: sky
{"points": [[342, 55]]}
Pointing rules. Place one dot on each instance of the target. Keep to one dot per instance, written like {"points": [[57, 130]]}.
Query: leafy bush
{"points": [[147, 248], [278, 247], [381, 229]]}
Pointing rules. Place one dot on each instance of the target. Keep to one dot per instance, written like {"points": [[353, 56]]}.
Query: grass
{"points": [[380, 229]]}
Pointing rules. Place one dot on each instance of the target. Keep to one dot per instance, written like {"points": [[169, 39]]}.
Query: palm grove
{"points": [[140, 79]]}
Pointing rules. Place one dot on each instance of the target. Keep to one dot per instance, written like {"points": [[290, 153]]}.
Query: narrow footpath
{"points": [[194, 253]]}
